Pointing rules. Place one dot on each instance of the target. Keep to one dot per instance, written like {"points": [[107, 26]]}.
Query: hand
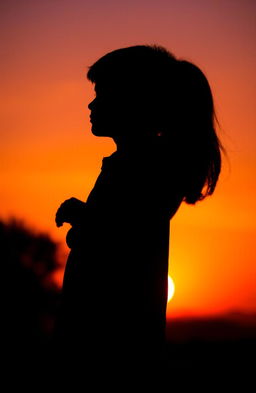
{"points": [[69, 211]]}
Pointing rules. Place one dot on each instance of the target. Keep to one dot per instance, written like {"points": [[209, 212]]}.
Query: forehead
{"points": [[100, 87], [114, 88]]}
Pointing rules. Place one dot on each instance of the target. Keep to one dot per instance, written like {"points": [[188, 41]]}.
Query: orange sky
{"points": [[48, 153]]}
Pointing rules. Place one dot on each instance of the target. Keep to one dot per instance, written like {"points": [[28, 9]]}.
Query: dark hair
{"points": [[183, 104]]}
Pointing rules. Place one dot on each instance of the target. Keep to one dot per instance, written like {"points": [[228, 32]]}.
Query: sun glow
{"points": [[171, 288]]}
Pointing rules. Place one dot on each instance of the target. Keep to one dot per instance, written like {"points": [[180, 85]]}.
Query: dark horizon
{"points": [[225, 341]]}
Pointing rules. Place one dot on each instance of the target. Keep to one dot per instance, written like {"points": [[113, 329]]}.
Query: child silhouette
{"points": [[159, 111]]}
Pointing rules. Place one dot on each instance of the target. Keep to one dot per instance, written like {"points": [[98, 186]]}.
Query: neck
{"points": [[126, 145]]}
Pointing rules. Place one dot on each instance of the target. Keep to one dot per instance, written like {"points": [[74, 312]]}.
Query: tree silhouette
{"points": [[30, 300]]}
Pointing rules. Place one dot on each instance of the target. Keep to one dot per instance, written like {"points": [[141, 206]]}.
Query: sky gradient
{"points": [[48, 153]]}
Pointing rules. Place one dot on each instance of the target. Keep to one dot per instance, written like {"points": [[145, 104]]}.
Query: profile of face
{"points": [[104, 112], [119, 111]]}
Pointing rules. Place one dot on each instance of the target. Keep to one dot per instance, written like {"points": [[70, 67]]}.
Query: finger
{"points": [[59, 219], [58, 216]]}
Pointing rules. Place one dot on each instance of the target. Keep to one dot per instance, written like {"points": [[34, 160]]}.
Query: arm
{"points": [[74, 212]]}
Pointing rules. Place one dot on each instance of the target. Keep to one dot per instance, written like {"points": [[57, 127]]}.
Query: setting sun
{"points": [[171, 288]]}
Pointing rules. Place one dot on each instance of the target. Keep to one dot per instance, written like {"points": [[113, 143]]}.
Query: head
{"points": [[144, 92]]}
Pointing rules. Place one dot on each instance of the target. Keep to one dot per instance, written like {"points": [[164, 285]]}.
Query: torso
{"points": [[115, 284]]}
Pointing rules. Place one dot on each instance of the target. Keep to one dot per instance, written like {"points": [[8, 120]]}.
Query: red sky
{"points": [[48, 153]]}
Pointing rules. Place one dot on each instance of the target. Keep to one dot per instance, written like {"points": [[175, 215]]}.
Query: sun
{"points": [[171, 288]]}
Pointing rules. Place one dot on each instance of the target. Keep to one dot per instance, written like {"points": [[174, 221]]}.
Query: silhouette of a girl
{"points": [[159, 111]]}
